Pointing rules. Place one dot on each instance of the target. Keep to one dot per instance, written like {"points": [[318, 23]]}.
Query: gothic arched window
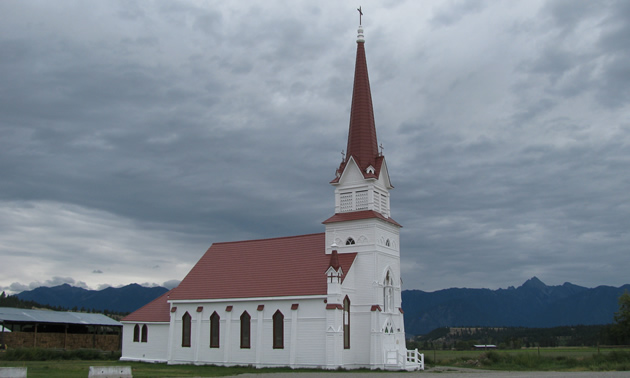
{"points": [[186, 323], [278, 330], [245, 330], [346, 323], [388, 293], [350, 241], [136, 333], [214, 330], [145, 333]]}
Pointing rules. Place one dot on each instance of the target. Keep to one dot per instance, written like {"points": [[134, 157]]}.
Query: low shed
{"points": [[58, 329]]}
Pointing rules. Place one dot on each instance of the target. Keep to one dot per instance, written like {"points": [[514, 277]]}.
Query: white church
{"points": [[325, 300]]}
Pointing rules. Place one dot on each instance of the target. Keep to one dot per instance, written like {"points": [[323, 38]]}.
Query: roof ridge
{"points": [[265, 239]]}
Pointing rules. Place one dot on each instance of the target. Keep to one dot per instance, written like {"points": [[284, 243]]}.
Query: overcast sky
{"points": [[133, 135]]}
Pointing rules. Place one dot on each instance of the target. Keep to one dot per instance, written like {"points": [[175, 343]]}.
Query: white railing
{"points": [[411, 360], [415, 359]]}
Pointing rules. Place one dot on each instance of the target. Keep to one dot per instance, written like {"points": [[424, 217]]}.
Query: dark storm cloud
{"points": [[135, 134]]}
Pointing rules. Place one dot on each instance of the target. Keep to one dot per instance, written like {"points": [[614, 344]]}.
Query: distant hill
{"points": [[533, 304], [124, 299]]}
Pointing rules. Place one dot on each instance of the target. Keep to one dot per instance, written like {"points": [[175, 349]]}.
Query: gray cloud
{"points": [[170, 284], [162, 128], [17, 287]]}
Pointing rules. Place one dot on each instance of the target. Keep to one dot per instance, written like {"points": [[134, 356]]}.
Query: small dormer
{"points": [[334, 275], [334, 271], [370, 170]]}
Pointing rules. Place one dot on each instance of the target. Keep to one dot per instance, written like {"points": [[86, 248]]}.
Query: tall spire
{"points": [[362, 143]]}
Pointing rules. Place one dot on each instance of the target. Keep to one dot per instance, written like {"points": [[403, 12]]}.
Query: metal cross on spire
{"points": [[360, 14]]}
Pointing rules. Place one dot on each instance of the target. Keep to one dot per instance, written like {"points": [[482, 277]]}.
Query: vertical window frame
{"points": [[388, 293], [346, 323], [144, 334], [215, 329], [246, 328], [278, 330], [136, 333], [186, 330]]}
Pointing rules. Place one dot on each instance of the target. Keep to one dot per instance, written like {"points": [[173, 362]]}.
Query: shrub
{"points": [[40, 354], [493, 357]]}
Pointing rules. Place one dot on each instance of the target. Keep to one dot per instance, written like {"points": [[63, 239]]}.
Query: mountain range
{"points": [[532, 304], [124, 299]]}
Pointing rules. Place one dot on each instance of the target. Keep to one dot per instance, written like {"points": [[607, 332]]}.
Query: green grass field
{"points": [[440, 356], [71, 369], [545, 359]]}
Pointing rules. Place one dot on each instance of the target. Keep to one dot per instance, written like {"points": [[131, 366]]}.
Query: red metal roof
{"points": [[155, 311], [334, 260], [357, 215], [287, 266]]}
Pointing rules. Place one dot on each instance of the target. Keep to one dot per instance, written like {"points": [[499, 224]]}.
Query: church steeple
{"points": [[362, 143], [362, 181]]}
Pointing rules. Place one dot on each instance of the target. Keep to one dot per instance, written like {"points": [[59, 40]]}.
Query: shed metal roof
{"points": [[15, 315]]}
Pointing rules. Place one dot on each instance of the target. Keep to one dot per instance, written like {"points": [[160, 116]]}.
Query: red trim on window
{"points": [[200, 308], [173, 309], [228, 309], [295, 306], [261, 307]]}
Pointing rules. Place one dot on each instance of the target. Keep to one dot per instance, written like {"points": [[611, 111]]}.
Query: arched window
{"points": [[388, 293], [350, 241], [214, 330], [136, 333], [186, 320], [346, 323], [278, 330], [387, 243], [245, 330], [145, 333]]}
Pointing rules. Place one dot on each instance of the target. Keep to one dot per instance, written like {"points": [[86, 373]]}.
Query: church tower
{"points": [[370, 292]]}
